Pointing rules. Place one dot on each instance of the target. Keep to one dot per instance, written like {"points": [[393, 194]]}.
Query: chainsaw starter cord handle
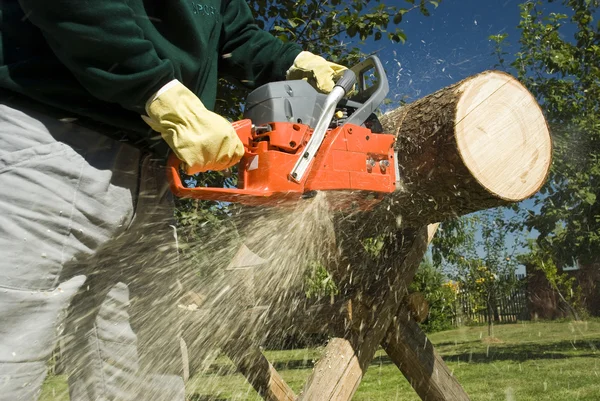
{"points": [[347, 81]]}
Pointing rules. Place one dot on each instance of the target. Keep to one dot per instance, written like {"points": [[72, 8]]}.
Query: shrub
{"points": [[439, 293]]}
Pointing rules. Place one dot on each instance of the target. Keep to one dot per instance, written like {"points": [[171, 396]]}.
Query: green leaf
{"points": [[590, 198], [399, 37], [352, 29], [398, 18]]}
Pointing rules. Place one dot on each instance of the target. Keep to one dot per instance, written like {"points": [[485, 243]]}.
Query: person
{"points": [[93, 95]]}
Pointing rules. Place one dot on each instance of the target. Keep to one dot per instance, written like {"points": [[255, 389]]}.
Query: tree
{"points": [[440, 295], [473, 251], [559, 62], [564, 285]]}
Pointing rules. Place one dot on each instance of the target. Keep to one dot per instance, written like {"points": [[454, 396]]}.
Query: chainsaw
{"points": [[298, 142]]}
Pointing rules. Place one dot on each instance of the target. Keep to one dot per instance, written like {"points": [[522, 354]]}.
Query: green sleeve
{"points": [[248, 53], [102, 45]]}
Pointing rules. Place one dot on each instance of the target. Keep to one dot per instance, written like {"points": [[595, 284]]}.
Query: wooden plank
{"points": [[408, 347], [338, 373], [259, 372]]}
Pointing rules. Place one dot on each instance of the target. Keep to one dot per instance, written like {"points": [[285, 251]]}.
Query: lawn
{"points": [[554, 361]]}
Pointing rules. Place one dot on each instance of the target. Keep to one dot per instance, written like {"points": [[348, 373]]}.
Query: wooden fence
{"points": [[509, 308]]}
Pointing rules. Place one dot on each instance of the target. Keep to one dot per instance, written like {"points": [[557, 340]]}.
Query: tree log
{"points": [[480, 143], [408, 347]]}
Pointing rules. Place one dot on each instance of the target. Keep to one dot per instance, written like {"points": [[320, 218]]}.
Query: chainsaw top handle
{"points": [[341, 88], [372, 88], [297, 101]]}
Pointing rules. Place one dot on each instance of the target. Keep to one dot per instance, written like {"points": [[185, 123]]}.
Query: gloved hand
{"points": [[203, 140], [319, 72]]}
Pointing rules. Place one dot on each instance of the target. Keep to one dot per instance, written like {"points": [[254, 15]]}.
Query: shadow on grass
{"points": [[204, 397], [454, 343], [516, 353], [479, 354], [292, 364], [524, 352]]}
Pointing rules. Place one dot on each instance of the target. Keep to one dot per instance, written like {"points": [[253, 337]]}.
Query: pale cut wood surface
{"points": [[502, 136]]}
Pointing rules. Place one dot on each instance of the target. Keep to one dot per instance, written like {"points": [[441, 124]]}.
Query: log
{"points": [[338, 373], [259, 372], [480, 143], [408, 347]]}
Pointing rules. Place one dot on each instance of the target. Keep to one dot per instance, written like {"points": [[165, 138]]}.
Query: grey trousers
{"points": [[87, 257]]}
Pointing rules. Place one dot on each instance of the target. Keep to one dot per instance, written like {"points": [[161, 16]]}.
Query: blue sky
{"points": [[446, 47]]}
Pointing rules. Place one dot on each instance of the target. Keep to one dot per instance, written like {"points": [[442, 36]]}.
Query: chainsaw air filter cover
{"points": [[285, 101]]}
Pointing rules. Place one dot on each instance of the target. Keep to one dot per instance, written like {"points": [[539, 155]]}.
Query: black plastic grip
{"points": [[347, 81]]}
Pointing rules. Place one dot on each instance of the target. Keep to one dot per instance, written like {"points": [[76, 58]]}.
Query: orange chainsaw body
{"points": [[350, 159]]}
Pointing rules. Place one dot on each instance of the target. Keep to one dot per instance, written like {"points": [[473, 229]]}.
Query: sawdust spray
{"points": [[254, 282]]}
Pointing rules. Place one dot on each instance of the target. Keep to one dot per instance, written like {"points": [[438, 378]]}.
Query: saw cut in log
{"points": [[480, 143]]}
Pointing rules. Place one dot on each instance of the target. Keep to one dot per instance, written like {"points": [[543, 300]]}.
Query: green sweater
{"points": [[103, 59]]}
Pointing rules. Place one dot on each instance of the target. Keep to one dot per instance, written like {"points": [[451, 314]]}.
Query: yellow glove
{"points": [[200, 138], [319, 72]]}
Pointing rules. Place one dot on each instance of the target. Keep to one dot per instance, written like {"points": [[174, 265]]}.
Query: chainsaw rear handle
{"points": [[252, 197], [243, 129]]}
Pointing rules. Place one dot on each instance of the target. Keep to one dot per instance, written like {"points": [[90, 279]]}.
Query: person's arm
{"points": [[249, 54], [256, 57], [102, 45]]}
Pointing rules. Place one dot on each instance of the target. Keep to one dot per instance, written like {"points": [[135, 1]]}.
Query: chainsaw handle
{"points": [[369, 98], [341, 88], [243, 129], [347, 81], [241, 195]]}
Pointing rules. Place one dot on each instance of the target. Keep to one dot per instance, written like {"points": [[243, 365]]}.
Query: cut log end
{"points": [[502, 136], [480, 143]]}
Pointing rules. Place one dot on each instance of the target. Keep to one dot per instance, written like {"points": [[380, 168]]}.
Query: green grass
{"points": [[553, 361]]}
